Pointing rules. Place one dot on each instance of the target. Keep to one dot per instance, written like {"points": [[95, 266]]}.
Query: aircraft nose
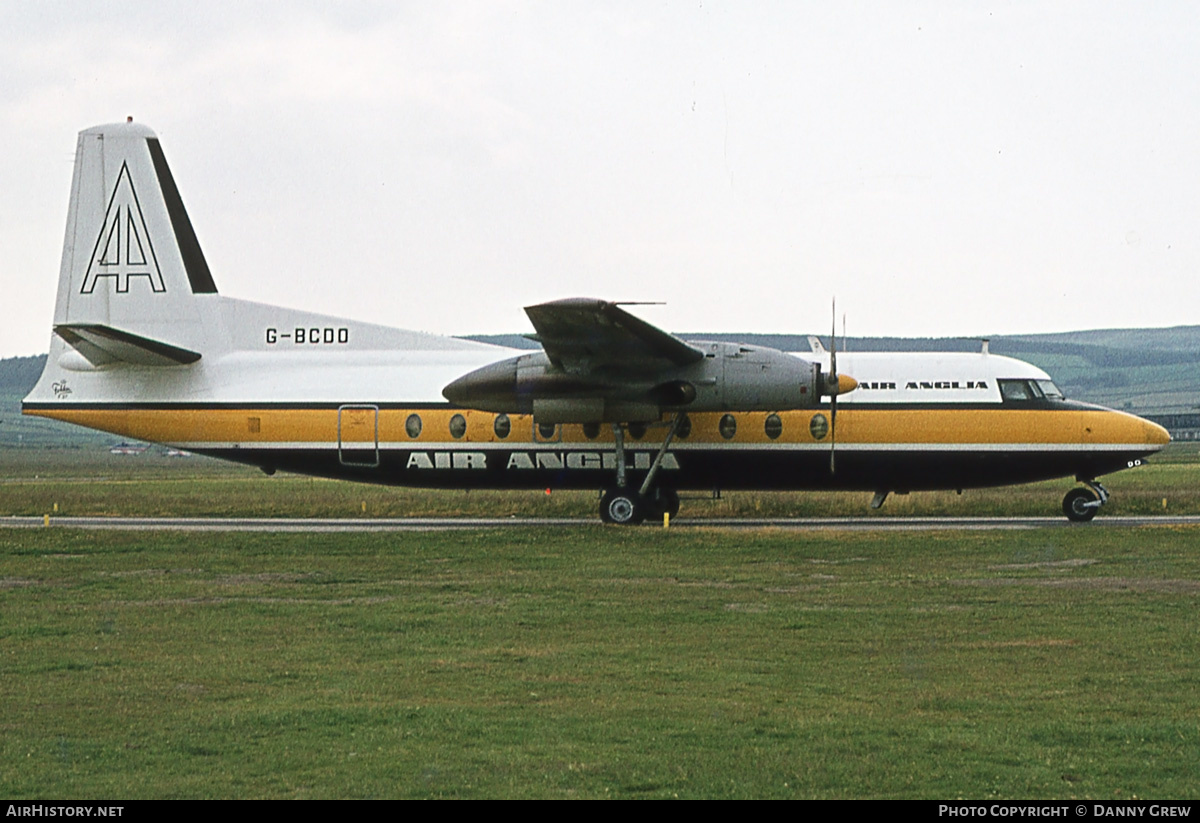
{"points": [[1155, 434]]}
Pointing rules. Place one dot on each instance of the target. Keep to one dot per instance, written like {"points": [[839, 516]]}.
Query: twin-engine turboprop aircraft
{"points": [[145, 347]]}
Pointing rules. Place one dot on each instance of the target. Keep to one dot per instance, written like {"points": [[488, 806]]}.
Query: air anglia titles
{"points": [[946, 384], [927, 384], [519, 460]]}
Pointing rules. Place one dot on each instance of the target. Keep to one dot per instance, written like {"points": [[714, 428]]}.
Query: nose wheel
{"points": [[1081, 505]]}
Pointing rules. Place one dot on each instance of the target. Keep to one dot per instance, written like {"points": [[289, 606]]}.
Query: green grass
{"points": [[600, 662]]}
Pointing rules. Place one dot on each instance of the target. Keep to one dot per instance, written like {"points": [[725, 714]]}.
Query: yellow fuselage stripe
{"points": [[267, 426]]}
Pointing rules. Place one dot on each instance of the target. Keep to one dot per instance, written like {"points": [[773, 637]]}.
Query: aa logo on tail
{"points": [[123, 248]]}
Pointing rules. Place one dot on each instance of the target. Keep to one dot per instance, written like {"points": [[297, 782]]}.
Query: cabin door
{"points": [[358, 436]]}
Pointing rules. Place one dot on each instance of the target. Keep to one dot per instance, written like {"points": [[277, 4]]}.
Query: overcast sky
{"points": [[944, 168]]}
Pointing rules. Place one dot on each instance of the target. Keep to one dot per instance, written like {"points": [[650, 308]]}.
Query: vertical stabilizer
{"points": [[131, 262]]}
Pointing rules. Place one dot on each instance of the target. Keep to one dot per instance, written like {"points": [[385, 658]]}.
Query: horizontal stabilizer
{"points": [[102, 345]]}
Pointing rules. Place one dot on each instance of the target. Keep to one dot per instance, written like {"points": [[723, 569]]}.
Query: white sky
{"points": [[942, 167]]}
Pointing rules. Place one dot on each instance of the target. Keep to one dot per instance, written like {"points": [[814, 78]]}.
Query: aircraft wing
{"points": [[581, 335]]}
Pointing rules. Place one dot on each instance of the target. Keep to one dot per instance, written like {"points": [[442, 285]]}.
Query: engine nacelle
{"points": [[730, 377]]}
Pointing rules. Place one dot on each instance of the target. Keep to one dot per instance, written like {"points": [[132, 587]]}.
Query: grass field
{"points": [[600, 662], [588, 661]]}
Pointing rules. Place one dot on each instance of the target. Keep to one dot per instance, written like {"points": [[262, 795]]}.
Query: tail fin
{"points": [[133, 274]]}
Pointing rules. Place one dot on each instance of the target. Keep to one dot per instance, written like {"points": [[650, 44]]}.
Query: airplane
{"points": [[144, 347]]}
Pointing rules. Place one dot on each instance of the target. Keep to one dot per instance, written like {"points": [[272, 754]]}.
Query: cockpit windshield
{"points": [[1019, 390], [1049, 389]]}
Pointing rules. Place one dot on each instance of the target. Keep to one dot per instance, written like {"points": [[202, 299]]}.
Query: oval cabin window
{"points": [[818, 427], [773, 426], [728, 426], [685, 427], [502, 426], [412, 426]]}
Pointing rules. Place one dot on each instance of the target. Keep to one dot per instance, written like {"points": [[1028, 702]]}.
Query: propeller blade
{"points": [[833, 346], [832, 434], [833, 389]]}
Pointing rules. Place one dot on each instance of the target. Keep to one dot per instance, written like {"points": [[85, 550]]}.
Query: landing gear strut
{"points": [[623, 505], [1081, 505]]}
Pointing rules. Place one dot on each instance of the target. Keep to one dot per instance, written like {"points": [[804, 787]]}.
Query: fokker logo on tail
{"points": [[123, 248]]}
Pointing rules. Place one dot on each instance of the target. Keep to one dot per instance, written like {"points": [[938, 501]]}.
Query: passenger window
{"points": [[818, 427], [591, 430], [773, 426], [637, 430], [458, 426], [412, 426], [502, 426], [685, 427], [728, 426]]}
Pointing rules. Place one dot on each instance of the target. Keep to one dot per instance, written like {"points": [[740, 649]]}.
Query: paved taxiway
{"points": [[261, 524]]}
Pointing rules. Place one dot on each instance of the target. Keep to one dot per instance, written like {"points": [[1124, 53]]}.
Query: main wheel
{"points": [[665, 501], [1079, 506], [623, 507]]}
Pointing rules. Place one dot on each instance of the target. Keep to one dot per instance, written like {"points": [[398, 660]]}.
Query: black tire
{"points": [[1075, 505], [660, 501], [622, 507], [667, 501]]}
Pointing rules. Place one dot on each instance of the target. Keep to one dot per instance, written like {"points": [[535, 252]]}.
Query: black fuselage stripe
{"points": [[714, 468]]}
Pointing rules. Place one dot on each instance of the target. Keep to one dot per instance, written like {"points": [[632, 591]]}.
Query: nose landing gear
{"points": [[1081, 505]]}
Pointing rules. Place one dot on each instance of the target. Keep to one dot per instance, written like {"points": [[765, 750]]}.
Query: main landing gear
{"points": [[627, 506], [1081, 505]]}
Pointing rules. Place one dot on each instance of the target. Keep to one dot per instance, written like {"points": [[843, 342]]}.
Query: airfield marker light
{"points": [[1164, 503], [547, 491], [666, 520], [45, 520], [364, 507], [56, 507]]}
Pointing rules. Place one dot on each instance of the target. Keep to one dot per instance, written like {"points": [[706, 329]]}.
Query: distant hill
{"points": [[17, 376], [1153, 372]]}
